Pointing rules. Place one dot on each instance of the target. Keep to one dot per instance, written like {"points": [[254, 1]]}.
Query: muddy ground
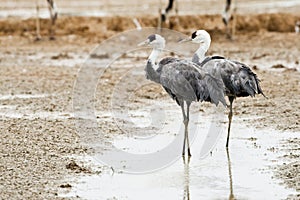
{"points": [[37, 78]]}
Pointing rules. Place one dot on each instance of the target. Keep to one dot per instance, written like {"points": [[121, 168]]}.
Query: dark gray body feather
{"points": [[239, 79], [184, 81]]}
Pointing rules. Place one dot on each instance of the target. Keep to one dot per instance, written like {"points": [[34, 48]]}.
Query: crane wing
{"points": [[238, 78], [185, 80]]}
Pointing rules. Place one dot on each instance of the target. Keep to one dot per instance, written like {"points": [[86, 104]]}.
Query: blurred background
{"points": [[26, 8]]}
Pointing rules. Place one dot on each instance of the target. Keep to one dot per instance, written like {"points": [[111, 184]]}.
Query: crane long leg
{"points": [[38, 25], [52, 25], [184, 119], [228, 32], [176, 8], [234, 21], [186, 133], [187, 127], [186, 164], [228, 18], [229, 118], [53, 16], [231, 196], [159, 23]]}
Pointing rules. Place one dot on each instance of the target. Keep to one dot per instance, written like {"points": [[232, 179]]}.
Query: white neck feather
{"points": [[201, 53], [154, 55]]}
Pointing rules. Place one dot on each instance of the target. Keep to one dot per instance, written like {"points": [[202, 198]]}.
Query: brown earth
{"points": [[102, 28], [35, 152]]}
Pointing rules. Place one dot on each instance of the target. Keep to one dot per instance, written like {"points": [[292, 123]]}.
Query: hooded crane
{"points": [[238, 78], [183, 80]]}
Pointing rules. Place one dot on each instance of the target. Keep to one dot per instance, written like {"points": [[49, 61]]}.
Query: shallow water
{"points": [[7, 113], [23, 96], [245, 172], [17, 112]]}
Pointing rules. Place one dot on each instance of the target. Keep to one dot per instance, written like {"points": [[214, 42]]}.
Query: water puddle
{"points": [[23, 96], [57, 59], [61, 59], [268, 65], [243, 173], [25, 112], [30, 115]]}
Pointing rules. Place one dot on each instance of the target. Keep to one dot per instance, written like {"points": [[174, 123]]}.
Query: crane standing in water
{"points": [[182, 80], [53, 15], [238, 78]]}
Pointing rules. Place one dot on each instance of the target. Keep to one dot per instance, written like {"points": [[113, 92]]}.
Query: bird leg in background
{"points": [[186, 134], [297, 27], [159, 23], [176, 11], [52, 29], [38, 27], [231, 98], [228, 32], [164, 13], [229, 19], [234, 20], [53, 16]]}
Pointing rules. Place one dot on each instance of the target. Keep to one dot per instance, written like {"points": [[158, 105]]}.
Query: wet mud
{"points": [[41, 153]]}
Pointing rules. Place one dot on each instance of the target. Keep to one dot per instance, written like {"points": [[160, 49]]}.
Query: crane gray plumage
{"points": [[183, 80], [238, 78]]}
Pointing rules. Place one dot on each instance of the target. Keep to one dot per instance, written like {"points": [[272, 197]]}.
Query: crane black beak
{"points": [[144, 43], [185, 40]]}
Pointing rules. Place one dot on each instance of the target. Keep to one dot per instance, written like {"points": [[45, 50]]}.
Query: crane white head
{"points": [[201, 37], [155, 41]]}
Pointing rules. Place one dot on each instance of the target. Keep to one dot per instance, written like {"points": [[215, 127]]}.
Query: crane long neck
{"points": [[199, 55], [151, 73], [154, 55]]}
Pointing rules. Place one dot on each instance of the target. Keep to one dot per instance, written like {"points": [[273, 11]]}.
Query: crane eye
{"points": [[194, 35]]}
